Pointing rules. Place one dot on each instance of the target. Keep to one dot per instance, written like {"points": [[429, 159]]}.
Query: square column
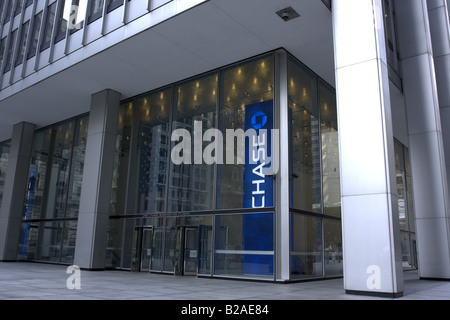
{"points": [[426, 147], [11, 212], [93, 215], [370, 223]]}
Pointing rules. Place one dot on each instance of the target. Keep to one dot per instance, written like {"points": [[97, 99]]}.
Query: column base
{"points": [[376, 294], [434, 279]]}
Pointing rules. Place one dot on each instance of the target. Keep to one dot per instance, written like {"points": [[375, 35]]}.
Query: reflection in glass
{"points": [[154, 138], [306, 247], [305, 176], [53, 193], [243, 85], [4, 156], [405, 205], [244, 245], [121, 159], [188, 245], [191, 185], [333, 248], [330, 152], [58, 173], [76, 168]]}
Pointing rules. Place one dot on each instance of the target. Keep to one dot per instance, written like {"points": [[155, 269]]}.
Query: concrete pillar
{"points": [[11, 212], [370, 226], [282, 180], [440, 36], [93, 215], [425, 139]]}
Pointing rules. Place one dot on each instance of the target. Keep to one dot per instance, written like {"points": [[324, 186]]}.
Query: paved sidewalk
{"points": [[36, 281]]}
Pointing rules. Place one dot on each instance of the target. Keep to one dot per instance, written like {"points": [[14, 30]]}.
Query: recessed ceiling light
{"points": [[287, 14]]}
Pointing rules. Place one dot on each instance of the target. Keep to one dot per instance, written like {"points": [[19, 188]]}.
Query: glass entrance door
{"points": [[186, 251], [142, 248], [190, 251], [146, 249]]}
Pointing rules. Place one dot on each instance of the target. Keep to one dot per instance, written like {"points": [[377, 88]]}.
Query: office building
{"points": [[126, 132]]}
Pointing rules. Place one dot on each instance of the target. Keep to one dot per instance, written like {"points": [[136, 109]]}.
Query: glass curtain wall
{"points": [[316, 243], [177, 201], [206, 217], [4, 156], [191, 182], [405, 205], [54, 190]]}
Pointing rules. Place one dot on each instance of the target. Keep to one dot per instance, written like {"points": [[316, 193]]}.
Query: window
{"points": [[18, 7], [9, 8], [247, 90], [195, 109], [113, 4], [23, 42], [53, 195], [2, 50], [95, 10], [390, 34], [306, 247], [4, 156], [48, 27], [35, 35], [10, 52], [153, 150], [304, 141]]}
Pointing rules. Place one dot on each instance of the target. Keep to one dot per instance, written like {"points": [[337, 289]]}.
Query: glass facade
{"points": [[315, 200], [4, 156], [213, 213], [202, 215], [405, 206], [54, 190]]}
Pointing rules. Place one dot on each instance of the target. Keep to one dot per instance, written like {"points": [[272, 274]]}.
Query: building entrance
{"points": [[186, 251], [143, 245]]}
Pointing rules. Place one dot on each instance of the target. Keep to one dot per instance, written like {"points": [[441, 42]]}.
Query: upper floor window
{"points": [[390, 34], [95, 10], [48, 26], [35, 35]]}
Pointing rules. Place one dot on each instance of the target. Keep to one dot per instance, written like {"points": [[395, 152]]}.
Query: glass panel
{"points": [[409, 192], [114, 244], [153, 150], [191, 185], [330, 152], [28, 241], [244, 245], [121, 158], [4, 156], [69, 241], [54, 189], [176, 244], [409, 250], [35, 35], [76, 169], [95, 10], [247, 91], [50, 236], [333, 248], [58, 173], [48, 28], [10, 52], [305, 156], [306, 247], [23, 42], [2, 49], [37, 175]]}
